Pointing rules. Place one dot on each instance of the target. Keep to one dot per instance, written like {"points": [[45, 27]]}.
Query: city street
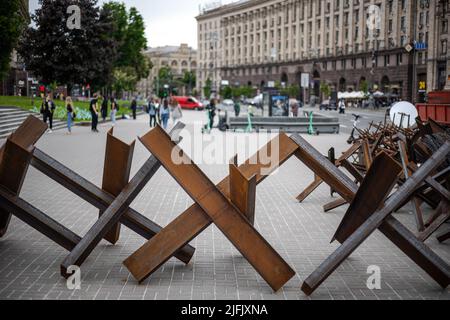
{"points": [[346, 120], [301, 233]]}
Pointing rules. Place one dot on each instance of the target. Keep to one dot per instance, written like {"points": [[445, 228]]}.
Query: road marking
{"points": [[343, 126]]}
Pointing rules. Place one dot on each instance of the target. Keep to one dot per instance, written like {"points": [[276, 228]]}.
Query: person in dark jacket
{"points": [[237, 109], [134, 107], [152, 113], [212, 112], [104, 109], [93, 107], [47, 110]]}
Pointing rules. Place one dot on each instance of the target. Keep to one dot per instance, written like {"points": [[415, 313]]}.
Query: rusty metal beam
{"points": [[443, 217], [194, 221], [334, 205], [310, 189], [110, 217], [352, 170], [114, 213], [373, 188], [367, 153], [100, 199], [243, 192], [323, 168], [38, 220], [13, 168], [414, 201], [28, 133], [116, 173], [397, 233], [216, 205], [443, 237]]}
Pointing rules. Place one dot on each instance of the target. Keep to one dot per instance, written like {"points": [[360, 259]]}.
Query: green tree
{"points": [[70, 56], [226, 92], [189, 80], [129, 33], [124, 80], [11, 26], [207, 89], [325, 89], [248, 91], [165, 76], [364, 86], [292, 91]]}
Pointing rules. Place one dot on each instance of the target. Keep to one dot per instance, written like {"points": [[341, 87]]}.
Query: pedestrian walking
{"points": [[177, 113], [212, 112], [342, 106], [158, 111], [134, 107], [294, 109], [70, 114], [104, 108], [237, 108], [165, 113], [93, 107], [152, 113], [47, 110], [114, 108]]}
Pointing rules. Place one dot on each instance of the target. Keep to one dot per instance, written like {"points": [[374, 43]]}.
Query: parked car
{"points": [[189, 103], [328, 105]]}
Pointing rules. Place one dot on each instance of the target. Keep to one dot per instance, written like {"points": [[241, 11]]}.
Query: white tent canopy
{"points": [[351, 95]]}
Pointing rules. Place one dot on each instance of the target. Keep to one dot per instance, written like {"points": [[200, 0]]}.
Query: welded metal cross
{"points": [[212, 205]]}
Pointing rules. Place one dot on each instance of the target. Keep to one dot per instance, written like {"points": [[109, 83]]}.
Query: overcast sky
{"points": [[168, 22]]}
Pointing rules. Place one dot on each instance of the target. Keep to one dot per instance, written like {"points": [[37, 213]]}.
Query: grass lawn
{"points": [[81, 107]]}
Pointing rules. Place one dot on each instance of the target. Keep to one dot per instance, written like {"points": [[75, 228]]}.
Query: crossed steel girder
{"points": [[19, 152], [359, 224], [13, 174], [212, 205]]}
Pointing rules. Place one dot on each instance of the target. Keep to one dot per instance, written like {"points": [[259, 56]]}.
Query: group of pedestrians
{"points": [[161, 113], [93, 108]]}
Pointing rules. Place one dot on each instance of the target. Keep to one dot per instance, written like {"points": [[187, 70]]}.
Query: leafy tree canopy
{"points": [[130, 36], [70, 56], [11, 25]]}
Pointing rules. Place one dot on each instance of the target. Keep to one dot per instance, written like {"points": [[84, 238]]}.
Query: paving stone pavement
{"points": [[301, 233]]}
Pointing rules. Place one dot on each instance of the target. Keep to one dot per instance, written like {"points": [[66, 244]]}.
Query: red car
{"points": [[189, 103]]}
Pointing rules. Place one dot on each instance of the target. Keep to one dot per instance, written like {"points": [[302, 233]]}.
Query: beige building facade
{"points": [[398, 47], [180, 59]]}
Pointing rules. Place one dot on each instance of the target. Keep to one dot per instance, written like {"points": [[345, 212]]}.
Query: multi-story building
{"points": [[398, 47], [180, 59]]}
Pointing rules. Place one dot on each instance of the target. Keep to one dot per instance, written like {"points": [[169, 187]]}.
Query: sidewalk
{"points": [[301, 233]]}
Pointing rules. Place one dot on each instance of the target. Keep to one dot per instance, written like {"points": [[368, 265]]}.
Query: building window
{"points": [[403, 40], [399, 59], [444, 47], [444, 27]]}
